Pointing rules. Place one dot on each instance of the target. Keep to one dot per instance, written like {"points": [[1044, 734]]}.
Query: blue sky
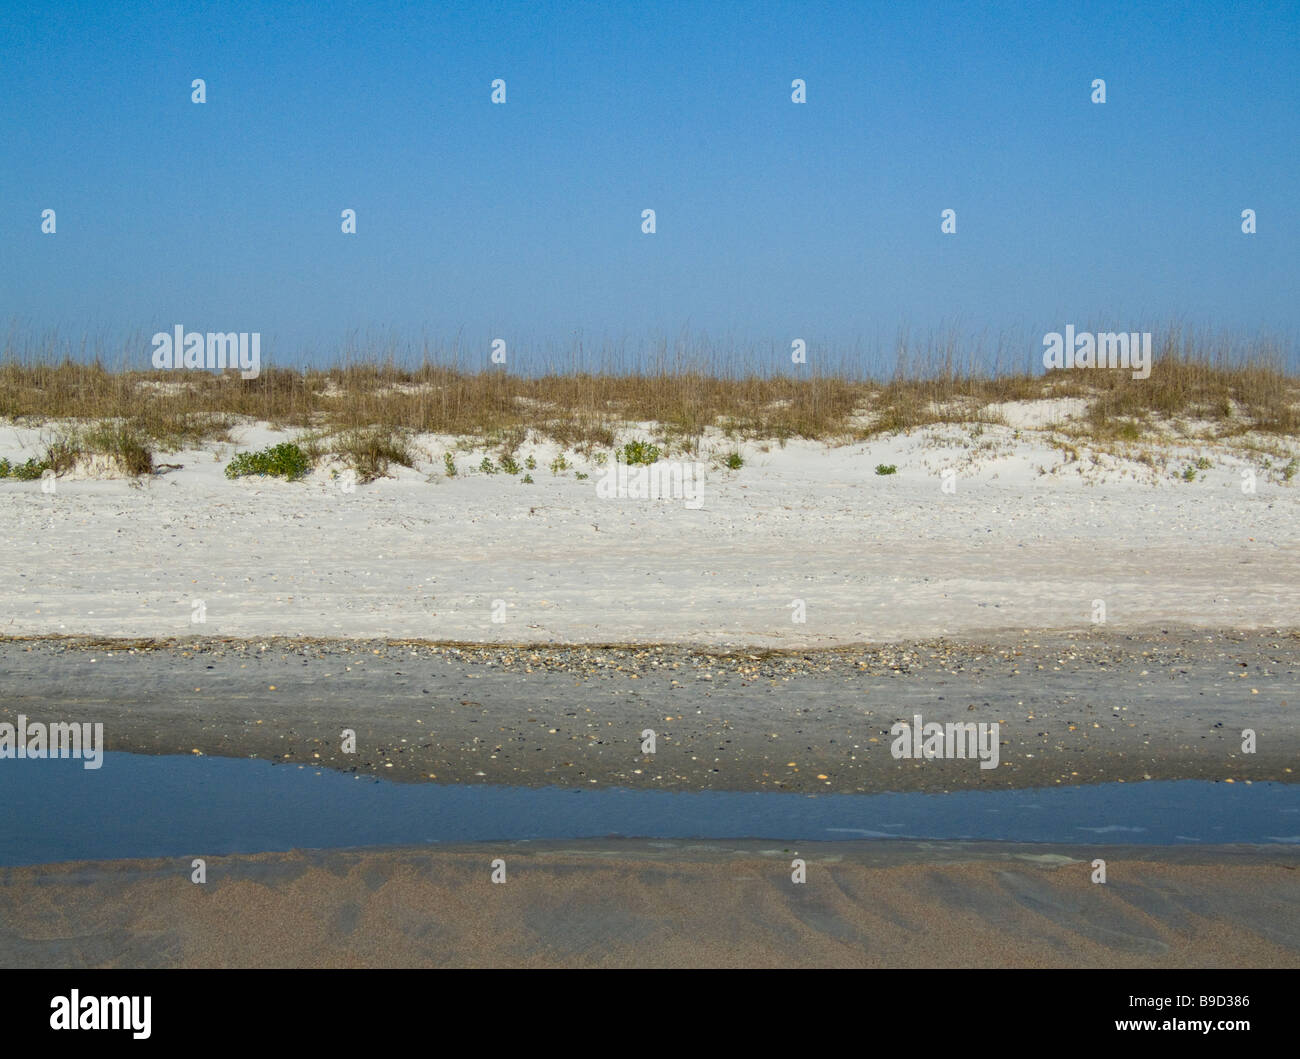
{"points": [[775, 220]]}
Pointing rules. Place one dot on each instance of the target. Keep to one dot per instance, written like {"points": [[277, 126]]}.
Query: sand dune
{"points": [[1027, 538]]}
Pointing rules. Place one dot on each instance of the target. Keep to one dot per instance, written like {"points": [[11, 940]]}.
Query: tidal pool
{"points": [[162, 806]]}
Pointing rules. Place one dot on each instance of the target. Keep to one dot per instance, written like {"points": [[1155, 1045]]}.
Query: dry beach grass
{"points": [[366, 409]]}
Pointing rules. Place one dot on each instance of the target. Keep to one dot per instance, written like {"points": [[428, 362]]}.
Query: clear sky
{"points": [[774, 220]]}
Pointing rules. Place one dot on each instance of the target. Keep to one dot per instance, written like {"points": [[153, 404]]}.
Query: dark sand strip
{"points": [[1073, 708]]}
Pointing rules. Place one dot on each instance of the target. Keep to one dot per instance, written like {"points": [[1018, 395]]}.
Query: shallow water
{"points": [[149, 806]]}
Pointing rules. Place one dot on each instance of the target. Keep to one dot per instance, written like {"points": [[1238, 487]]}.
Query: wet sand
{"points": [[1072, 708], [665, 904]]}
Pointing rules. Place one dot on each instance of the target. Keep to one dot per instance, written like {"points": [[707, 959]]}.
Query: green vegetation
{"points": [[450, 464], [24, 472], [886, 468], [635, 452], [285, 460], [734, 461]]}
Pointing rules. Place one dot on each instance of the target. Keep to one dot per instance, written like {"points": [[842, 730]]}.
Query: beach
{"points": [[1108, 621], [523, 485]]}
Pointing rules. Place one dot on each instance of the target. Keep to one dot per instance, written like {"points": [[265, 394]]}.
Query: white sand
{"points": [[1028, 540]]}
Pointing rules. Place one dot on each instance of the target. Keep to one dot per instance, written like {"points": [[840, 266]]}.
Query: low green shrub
{"points": [[285, 460], [27, 472], [635, 452]]}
